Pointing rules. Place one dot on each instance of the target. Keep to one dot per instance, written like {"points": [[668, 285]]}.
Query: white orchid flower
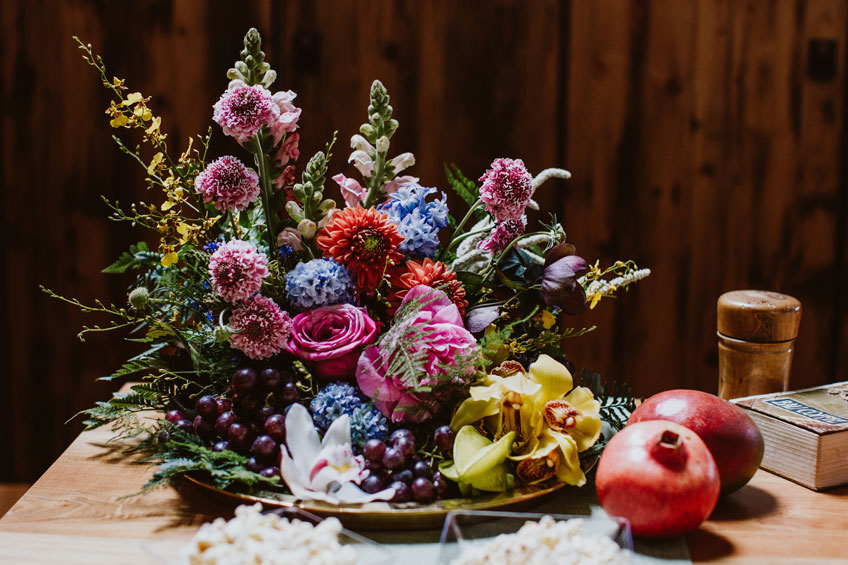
{"points": [[402, 161], [327, 469]]}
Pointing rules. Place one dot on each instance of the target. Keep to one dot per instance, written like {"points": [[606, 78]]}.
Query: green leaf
{"points": [[138, 256], [461, 185]]}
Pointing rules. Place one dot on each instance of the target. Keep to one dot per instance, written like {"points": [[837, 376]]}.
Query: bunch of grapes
{"points": [[397, 465], [251, 423]]}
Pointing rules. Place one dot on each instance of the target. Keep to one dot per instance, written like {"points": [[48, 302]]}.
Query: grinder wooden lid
{"points": [[758, 315]]}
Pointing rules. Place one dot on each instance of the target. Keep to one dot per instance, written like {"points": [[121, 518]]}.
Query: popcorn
{"points": [[544, 542], [267, 539]]}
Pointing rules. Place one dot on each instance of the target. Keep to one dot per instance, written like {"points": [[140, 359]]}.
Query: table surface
{"points": [[78, 512]]}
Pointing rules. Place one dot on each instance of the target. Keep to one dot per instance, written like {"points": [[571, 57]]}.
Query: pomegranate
{"points": [[730, 434], [660, 476]]}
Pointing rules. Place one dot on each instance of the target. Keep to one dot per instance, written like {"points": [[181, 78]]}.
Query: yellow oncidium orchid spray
{"points": [[553, 421]]}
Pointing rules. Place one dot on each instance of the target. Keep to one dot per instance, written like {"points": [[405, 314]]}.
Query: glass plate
{"points": [[465, 528], [166, 550]]}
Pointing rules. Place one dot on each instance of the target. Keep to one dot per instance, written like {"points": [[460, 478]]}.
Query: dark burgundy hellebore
{"points": [[559, 282]]}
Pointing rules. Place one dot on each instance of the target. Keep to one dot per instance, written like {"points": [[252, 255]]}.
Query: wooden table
{"points": [[75, 514]]}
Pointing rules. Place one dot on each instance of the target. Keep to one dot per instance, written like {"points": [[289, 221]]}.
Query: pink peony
{"points": [[503, 235], [330, 338], [242, 110], [447, 338], [507, 188], [352, 192], [237, 270], [228, 183], [262, 328]]}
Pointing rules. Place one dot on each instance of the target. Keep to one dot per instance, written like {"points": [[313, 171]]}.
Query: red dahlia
{"points": [[434, 274], [364, 241]]}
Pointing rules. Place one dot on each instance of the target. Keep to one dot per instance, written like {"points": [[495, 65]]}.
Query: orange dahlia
{"points": [[364, 241], [434, 274]]}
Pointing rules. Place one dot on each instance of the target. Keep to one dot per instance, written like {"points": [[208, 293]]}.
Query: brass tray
{"points": [[393, 515]]}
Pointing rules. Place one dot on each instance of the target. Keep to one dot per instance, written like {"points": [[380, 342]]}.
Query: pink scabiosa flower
{"points": [[503, 235], [242, 110], [228, 183], [507, 188], [262, 328], [237, 270]]}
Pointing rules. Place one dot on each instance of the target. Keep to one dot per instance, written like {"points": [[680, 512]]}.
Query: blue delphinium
{"points": [[418, 221], [338, 399], [319, 282]]}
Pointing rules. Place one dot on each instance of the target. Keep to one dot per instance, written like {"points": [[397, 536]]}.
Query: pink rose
{"points": [[330, 339], [447, 338]]}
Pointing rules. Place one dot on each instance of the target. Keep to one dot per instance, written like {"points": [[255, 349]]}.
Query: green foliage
{"points": [[188, 454], [137, 257], [309, 193], [616, 398], [461, 185]]}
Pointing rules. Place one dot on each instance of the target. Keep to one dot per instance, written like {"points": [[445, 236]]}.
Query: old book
{"points": [[805, 433]]}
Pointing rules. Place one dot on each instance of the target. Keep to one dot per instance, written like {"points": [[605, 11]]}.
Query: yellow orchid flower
{"points": [[553, 420]]}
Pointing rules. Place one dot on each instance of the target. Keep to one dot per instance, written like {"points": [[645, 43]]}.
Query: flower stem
{"points": [[459, 227], [265, 180], [509, 247], [377, 180]]}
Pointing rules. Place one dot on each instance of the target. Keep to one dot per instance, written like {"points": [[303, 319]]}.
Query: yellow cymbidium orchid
{"points": [[553, 421]]}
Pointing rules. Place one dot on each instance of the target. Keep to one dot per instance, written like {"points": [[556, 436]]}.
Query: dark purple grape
{"points": [[207, 407], [254, 465], [265, 412], [263, 446], [244, 380], [397, 434], [405, 446], [251, 404], [422, 469], [442, 487], [270, 379], [403, 476], [393, 459], [423, 490], [372, 484], [270, 472], [256, 428], [275, 426], [374, 449], [402, 492], [443, 437], [239, 436], [224, 405], [204, 427], [185, 425], [290, 393], [223, 423], [174, 416], [221, 446], [376, 467], [164, 436]]}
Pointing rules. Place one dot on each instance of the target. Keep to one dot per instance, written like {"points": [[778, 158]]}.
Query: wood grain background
{"points": [[707, 141]]}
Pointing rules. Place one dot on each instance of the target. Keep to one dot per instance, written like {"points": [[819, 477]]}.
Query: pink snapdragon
{"points": [[447, 340], [228, 183], [507, 188], [242, 110], [352, 192], [237, 269], [262, 328], [289, 115]]}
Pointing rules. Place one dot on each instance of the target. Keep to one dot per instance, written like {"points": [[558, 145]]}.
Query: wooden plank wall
{"points": [[699, 142]]}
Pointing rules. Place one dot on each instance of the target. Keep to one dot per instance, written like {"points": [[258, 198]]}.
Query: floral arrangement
{"points": [[375, 350]]}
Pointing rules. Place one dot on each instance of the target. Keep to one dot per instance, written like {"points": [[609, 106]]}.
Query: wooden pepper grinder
{"points": [[756, 339]]}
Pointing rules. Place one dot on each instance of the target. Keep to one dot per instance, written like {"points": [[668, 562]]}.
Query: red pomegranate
{"points": [[660, 476], [730, 434]]}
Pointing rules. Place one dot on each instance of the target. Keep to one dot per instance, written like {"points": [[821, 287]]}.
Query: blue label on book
{"points": [[807, 411]]}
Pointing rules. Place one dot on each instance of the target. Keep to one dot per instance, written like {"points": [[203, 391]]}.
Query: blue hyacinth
{"points": [[319, 282], [338, 399], [418, 221]]}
